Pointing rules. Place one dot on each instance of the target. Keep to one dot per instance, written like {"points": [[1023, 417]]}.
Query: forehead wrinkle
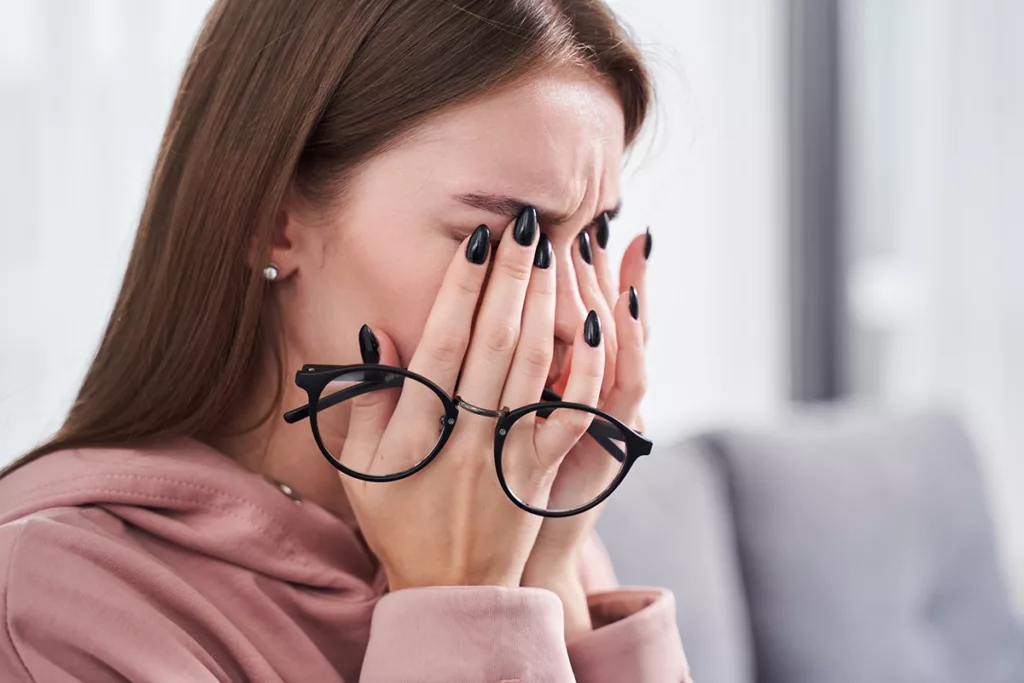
{"points": [[593, 190], [509, 207], [595, 182], [572, 166]]}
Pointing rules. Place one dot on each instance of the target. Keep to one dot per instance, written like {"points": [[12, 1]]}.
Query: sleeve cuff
{"points": [[635, 638], [453, 634]]}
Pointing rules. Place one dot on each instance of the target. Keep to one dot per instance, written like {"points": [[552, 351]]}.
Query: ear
{"points": [[284, 240]]}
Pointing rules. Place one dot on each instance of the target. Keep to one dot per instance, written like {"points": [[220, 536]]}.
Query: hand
{"points": [[553, 562], [450, 523]]}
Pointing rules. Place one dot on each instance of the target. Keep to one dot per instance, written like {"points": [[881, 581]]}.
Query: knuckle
{"points": [[412, 449], [544, 284], [448, 348], [641, 385], [501, 336], [592, 370], [574, 423], [536, 359], [634, 386], [515, 270], [468, 283], [591, 291]]}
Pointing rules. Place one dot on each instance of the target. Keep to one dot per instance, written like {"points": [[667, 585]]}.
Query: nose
{"points": [[569, 308]]}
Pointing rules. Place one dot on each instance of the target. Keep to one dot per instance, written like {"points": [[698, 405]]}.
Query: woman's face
{"points": [[554, 142]]}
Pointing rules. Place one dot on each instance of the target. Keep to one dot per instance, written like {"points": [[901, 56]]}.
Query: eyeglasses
{"points": [[587, 476]]}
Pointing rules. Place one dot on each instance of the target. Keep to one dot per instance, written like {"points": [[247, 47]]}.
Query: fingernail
{"points": [[585, 250], [603, 229], [369, 347], [479, 245], [634, 304], [592, 330], [542, 259], [526, 226], [647, 244]]}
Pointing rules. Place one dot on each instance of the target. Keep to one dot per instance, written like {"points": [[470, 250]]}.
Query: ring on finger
{"points": [[477, 410]]}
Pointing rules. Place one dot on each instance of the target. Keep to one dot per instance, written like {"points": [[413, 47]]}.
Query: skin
{"points": [[392, 255]]}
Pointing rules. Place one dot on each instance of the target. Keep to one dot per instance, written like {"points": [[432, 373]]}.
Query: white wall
{"points": [[86, 85], [710, 182], [936, 205]]}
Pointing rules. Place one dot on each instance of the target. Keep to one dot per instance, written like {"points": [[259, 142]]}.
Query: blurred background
{"points": [[834, 188]]}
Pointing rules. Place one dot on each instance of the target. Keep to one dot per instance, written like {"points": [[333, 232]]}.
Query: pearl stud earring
{"points": [[271, 272]]}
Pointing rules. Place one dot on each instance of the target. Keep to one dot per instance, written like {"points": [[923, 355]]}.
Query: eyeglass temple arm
{"points": [[302, 412], [601, 432]]}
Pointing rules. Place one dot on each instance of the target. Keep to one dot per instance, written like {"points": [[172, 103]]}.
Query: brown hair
{"points": [[280, 92]]}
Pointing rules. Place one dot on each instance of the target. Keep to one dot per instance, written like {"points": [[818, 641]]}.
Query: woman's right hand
{"points": [[451, 523]]}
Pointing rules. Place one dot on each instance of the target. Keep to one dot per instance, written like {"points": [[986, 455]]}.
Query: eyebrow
{"points": [[510, 207]]}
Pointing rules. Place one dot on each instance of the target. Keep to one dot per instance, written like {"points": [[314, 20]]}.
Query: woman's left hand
{"points": [[553, 564]]}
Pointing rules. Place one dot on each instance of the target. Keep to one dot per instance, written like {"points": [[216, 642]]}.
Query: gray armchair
{"points": [[838, 549]]}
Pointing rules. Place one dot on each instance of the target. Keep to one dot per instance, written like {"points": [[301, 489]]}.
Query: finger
{"points": [[499, 320], [563, 428], [602, 261], [440, 352], [532, 360], [631, 378], [633, 273], [594, 299], [369, 413]]}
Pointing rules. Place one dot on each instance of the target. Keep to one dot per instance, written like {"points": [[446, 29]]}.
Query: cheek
{"points": [[390, 281]]}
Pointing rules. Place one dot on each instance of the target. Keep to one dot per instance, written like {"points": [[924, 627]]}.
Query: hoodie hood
{"points": [[190, 495]]}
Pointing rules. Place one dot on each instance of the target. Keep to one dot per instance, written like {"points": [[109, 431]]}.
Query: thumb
{"points": [[370, 412]]}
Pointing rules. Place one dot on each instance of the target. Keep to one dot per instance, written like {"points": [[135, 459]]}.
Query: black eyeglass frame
{"points": [[315, 378]]}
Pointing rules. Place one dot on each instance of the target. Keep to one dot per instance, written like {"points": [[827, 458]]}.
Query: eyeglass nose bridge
{"points": [[477, 410]]}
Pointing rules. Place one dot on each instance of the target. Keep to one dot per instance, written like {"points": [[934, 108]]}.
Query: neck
{"points": [[289, 455]]}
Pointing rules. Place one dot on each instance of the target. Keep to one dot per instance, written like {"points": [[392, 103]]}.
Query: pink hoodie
{"points": [[176, 564]]}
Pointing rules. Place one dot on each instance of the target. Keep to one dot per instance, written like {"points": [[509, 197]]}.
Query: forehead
{"points": [[556, 139]]}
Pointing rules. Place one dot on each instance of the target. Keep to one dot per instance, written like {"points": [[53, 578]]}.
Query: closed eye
{"points": [[460, 234], [614, 213]]}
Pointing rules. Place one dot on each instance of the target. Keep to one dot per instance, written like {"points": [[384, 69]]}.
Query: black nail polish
{"points": [[603, 230], [479, 245], [585, 250], [526, 226], [592, 330], [634, 304], [369, 347], [542, 258], [647, 244]]}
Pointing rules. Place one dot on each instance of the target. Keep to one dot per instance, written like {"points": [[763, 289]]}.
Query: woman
{"points": [[421, 185]]}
